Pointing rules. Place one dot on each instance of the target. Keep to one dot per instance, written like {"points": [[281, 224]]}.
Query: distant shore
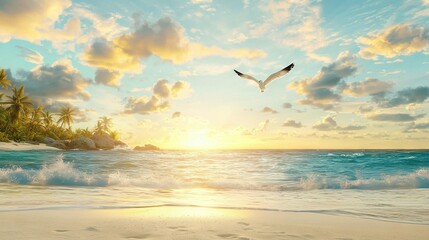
{"points": [[14, 146]]}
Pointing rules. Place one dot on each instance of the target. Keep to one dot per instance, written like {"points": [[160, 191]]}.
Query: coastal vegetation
{"points": [[23, 121]]}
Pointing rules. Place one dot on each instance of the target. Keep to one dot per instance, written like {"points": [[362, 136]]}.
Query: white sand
{"points": [[13, 146], [197, 223]]}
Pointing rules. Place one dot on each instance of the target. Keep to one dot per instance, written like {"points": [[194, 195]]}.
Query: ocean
{"points": [[388, 185]]}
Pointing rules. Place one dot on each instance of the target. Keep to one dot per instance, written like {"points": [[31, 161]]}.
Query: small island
{"points": [[147, 147], [23, 124]]}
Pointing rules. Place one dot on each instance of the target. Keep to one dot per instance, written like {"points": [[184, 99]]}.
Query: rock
{"points": [[83, 143], [54, 143], [58, 144], [49, 141], [146, 147], [120, 143], [103, 141]]}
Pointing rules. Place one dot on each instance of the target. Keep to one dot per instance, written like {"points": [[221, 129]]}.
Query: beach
{"points": [[173, 222], [237, 194], [14, 146]]}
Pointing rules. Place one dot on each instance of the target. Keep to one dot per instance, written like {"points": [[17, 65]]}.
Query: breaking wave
{"points": [[60, 173]]}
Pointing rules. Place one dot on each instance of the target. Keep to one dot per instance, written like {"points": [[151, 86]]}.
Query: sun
{"points": [[199, 139]]}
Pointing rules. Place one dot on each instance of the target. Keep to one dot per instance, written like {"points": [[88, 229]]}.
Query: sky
{"points": [[163, 70]]}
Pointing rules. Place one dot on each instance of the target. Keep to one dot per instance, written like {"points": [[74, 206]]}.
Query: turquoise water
{"points": [[385, 185]]}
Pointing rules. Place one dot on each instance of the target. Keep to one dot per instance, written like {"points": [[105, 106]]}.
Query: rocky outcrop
{"points": [[101, 141], [104, 141], [83, 143], [120, 143], [49, 141], [146, 147], [54, 143]]}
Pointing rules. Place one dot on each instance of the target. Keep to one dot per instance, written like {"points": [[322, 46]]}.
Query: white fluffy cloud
{"points": [[368, 87], [164, 39], [34, 20], [329, 124], [158, 102], [57, 82], [145, 105], [400, 39]]}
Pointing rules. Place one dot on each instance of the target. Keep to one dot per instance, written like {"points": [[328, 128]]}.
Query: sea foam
{"points": [[61, 173]]}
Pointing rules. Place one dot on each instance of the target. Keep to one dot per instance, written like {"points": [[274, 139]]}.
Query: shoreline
{"points": [[183, 222], [14, 146]]}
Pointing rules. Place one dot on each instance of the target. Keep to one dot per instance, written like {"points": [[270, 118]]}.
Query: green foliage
{"points": [[4, 82], [21, 122], [3, 137]]}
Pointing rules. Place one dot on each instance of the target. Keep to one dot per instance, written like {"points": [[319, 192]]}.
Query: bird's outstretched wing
{"points": [[278, 74], [245, 76]]}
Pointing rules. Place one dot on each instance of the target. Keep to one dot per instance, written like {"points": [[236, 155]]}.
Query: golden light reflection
{"points": [[185, 212]]}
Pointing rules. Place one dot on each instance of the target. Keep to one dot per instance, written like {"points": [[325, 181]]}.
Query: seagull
{"points": [[263, 84]]}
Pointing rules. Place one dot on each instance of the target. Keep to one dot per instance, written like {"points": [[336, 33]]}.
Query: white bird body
{"points": [[263, 84]]}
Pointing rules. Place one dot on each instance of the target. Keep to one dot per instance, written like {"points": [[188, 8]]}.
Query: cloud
{"points": [[31, 55], [368, 87], [329, 124], [418, 126], [104, 27], [163, 89], [80, 115], [59, 81], [164, 39], [34, 20], [394, 117], [397, 40], [406, 96], [200, 1], [269, 110], [103, 54], [304, 33], [108, 77], [145, 105], [176, 115], [365, 109], [320, 89], [167, 40], [287, 105], [237, 38], [262, 127], [292, 123]]}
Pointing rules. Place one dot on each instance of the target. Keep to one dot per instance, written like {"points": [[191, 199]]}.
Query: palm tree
{"points": [[99, 128], [3, 79], [35, 118], [106, 123], [114, 135], [48, 118], [66, 116], [18, 103]]}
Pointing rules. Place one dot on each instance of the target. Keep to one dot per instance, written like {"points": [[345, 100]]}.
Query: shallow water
{"points": [[385, 185]]}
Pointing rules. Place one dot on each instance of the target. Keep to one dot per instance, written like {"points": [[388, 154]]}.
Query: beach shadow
{"points": [[91, 229], [61, 230], [243, 223], [227, 235], [141, 236]]}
